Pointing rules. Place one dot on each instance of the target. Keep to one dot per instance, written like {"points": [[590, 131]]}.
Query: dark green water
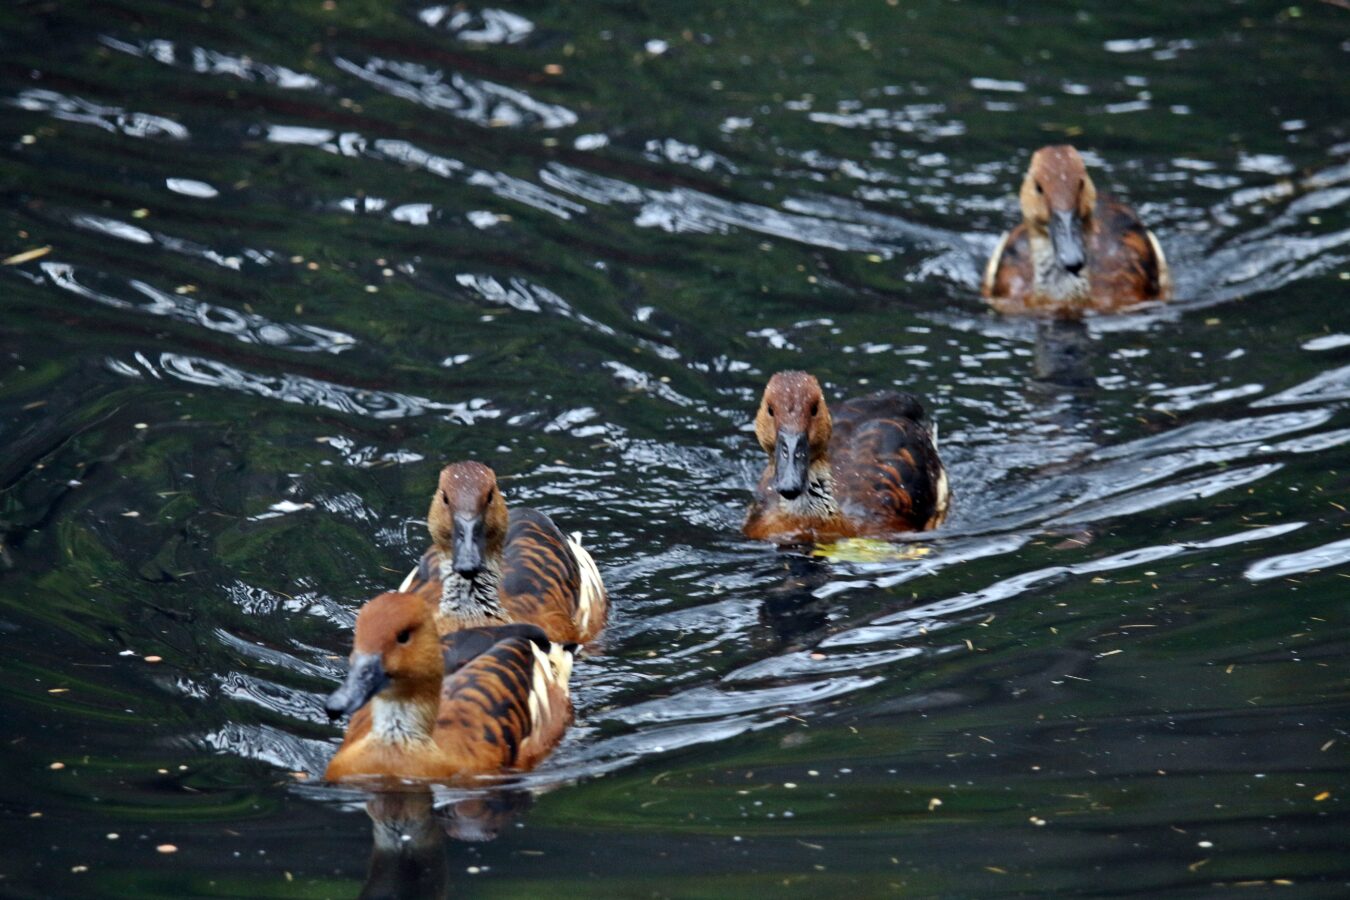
{"points": [[300, 257]]}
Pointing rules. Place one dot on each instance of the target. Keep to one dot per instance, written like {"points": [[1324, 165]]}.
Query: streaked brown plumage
{"points": [[870, 469], [1075, 250], [478, 701], [489, 566]]}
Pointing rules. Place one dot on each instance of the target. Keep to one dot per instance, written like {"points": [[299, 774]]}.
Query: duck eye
{"points": [[815, 407], [1038, 188], [445, 498], [404, 635], [770, 410], [492, 492]]}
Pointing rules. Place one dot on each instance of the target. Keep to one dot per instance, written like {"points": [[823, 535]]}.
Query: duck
{"points": [[1076, 250], [869, 470], [479, 701], [488, 565]]}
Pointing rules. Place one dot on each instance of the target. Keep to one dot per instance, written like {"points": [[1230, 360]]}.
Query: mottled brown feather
{"points": [[1124, 266], [880, 455], [541, 581], [487, 682]]}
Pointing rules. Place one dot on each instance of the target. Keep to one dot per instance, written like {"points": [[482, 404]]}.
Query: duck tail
{"points": [[593, 602]]}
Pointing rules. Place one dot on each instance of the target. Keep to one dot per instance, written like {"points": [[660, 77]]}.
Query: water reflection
{"points": [[409, 854], [408, 848], [1063, 355]]}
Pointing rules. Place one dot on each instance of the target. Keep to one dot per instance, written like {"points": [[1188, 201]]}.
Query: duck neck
{"points": [[405, 718], [817, 502], [1051, 279], [472, 599]]}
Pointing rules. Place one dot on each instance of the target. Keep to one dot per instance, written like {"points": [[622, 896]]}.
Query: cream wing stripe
{"points": [[1164, 272], [592, 587], [991, 268]]}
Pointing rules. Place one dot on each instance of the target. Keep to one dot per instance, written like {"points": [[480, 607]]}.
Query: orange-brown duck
{"points": [[1076, 250], [475, 702], [871, 469], [488, 566]]}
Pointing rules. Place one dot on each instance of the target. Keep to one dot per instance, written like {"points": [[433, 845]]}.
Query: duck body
{"points": [[1075, 250], [479, 701], [871, 466], [491, 566]]}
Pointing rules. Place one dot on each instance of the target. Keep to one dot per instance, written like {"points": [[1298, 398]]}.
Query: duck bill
{"points": [[1066, 236], [365, 679], [469, 546], [789, 464]]}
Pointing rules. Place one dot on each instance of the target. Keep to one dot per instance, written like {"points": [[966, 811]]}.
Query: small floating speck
{"points": [[154, 659], [79, 870], [166, 848], [57, 766]]}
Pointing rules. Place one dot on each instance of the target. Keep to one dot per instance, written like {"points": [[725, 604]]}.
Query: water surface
{"points": [[268, 266]]}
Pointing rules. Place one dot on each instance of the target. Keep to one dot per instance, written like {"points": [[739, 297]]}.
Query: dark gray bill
{"points": [[470, 545], [365, 679], [790, 464], [1066, 236]]}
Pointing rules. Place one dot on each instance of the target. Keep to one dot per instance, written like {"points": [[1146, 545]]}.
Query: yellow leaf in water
{"points": [[865, 550], [25, 256]]}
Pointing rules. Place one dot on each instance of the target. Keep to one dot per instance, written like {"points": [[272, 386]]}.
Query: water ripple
{"points": [[109, 118], [249, 328], [210, 62], [1327, 556], [291, 388], [474, 100]]}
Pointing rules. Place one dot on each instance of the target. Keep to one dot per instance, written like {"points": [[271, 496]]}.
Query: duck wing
{"points": [[1010, 274], [506, 702], [541, 580], [886, 466], [1128, 266]]}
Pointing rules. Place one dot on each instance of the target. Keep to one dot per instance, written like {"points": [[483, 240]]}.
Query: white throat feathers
{"points": [[472, 598], [401, 721], [1051, 279], [817, 501]]}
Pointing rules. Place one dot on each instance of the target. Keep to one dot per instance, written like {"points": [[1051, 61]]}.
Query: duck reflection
{"points": [[408, 857], [791, 609], [1062, 358]]}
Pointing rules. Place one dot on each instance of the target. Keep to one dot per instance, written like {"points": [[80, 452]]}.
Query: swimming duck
{"points": [[488, 566], [871, 469], [475, 702], [1075, 250]]}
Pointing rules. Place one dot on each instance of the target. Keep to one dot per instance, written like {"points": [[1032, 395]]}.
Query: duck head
{"points": [[793, 426], [468, 517], [396, 654], [1057, 199]]}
